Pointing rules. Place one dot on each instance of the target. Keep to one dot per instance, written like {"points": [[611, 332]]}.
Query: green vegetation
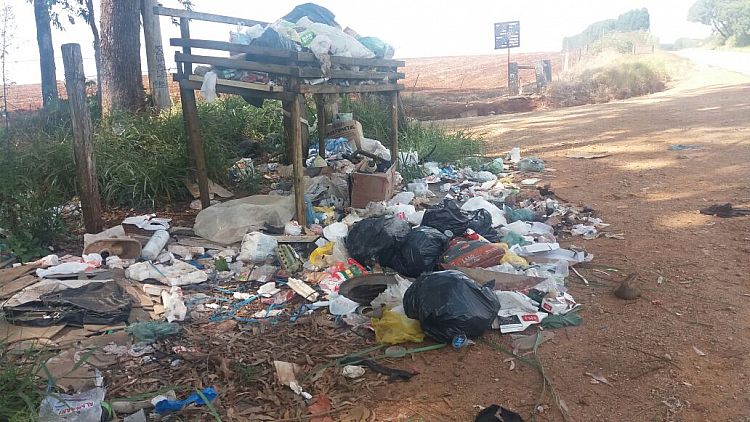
{"points": [[142, 160], [634, 20], [20, 389], [730, 19], [618, 80]]}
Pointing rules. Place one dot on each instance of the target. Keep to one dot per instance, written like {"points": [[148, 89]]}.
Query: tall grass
{"points": [[142, 161], [20, 389]]}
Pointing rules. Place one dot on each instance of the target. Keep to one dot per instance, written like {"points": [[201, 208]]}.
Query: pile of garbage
{"points": [[308, 28], [452, 255]]}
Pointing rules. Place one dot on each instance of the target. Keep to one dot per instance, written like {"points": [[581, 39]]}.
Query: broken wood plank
{"points": [[240, 84]]}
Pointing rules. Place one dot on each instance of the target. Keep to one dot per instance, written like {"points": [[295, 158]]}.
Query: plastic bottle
{"points": [[154, 246], [515, 155]]}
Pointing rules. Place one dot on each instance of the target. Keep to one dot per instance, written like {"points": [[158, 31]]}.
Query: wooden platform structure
{"points": [[295, 74]]}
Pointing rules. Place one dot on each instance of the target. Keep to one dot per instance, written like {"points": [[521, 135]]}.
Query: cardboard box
{"points": [[372, 187], [351, 130]]}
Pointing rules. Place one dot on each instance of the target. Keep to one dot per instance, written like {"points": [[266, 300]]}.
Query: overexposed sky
{"points": [[416, 28]]}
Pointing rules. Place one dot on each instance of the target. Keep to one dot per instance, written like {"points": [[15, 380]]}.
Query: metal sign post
{"points": [[508, 35]]}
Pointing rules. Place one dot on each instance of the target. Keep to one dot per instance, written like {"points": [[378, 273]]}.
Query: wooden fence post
{"points": [[83, 144], [394, 100], [157, 71]]}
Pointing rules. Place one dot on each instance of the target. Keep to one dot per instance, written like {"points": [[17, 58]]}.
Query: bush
{"points": [[142, 161], [604, 84]]}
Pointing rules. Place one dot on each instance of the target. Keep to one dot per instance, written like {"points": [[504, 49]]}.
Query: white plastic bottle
{"points": [[154, 246]]}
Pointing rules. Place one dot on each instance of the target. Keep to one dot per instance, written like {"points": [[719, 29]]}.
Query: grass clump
{"points": [[20, 388], [142, 162], [611, 82]]}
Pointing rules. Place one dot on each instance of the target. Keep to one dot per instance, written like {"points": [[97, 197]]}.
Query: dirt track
{"points": [[644, 347]]}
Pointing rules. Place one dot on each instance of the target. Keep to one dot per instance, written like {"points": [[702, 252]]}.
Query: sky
{"points": [[416, 28]]}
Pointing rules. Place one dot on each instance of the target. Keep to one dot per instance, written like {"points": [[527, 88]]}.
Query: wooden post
{"points": [[295, 136], [195, 139], [83, 144], [320, 107], [157, 71], [185, 35], [513, 86], [304, 128], [394, 127]]}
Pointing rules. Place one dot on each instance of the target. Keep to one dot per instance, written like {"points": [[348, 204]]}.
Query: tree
{"points": [[121, 78], [7, 31], [84, 9], [46, 51], [728, 18]]}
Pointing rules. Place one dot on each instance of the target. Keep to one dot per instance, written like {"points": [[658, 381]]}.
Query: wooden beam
{"points": [[240, 84], [192, 128], [83, 144], [208, 17], [351, 61], [242, 48], [394, 127], [240, 64], [360, 74], [157, 71], [336, 89], [223, 89]]}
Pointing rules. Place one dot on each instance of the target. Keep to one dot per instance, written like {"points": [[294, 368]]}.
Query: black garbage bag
{"points": [[376, 239], [420, 251], [481, 222], [272, 39], [449, 304], [94, 303], [447, 218], [313, 12]]}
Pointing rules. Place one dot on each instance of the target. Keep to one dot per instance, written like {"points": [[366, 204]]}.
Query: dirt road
{"points": [[693, 269]]}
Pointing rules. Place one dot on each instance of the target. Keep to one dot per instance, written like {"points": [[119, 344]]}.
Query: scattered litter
{"points": [[725, 211], [496, 413], [598, 378], [353, 371], [698, 351], [148, 222], [166, 405]]}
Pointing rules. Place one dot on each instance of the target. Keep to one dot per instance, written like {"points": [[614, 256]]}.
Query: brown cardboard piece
{"points": [[372, 187], [351, 130]]}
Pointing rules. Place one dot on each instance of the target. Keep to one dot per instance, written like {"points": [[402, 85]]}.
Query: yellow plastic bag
{"points": [[512, 258], [395, 328], [318, 256]]}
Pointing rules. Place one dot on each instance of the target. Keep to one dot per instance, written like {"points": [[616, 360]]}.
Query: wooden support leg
{"points": [[190, 115], [83, 144], [394, 127], [295, 135], [304, 129], [320, 108]]}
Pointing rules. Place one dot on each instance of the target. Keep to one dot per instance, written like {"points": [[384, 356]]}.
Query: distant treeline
{"points": [[634, 20]]}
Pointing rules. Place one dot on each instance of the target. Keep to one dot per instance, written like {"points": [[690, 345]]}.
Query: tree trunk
{"points": [[46, 52], [121, 77], [157, 71], [97, 53]]}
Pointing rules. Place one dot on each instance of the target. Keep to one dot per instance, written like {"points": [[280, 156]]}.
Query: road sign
{"points": [[507, 35]]}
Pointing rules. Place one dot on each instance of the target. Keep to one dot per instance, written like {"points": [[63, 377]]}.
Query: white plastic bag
{"points": [[342, 44], [341, 305], [227, 223], [336, 232], [174, 307], [208, 89], [393, 296], [257, 247], [83, 407], [477, 203]]}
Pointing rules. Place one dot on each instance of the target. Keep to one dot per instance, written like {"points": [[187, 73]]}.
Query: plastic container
{"points": [[155, 245]]}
